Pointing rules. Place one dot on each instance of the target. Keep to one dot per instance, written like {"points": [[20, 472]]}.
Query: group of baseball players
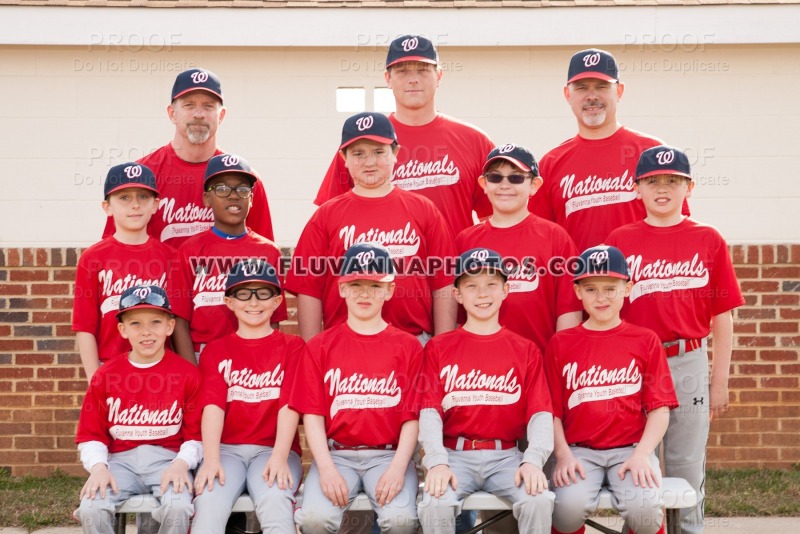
{"points": [[535, 330]]}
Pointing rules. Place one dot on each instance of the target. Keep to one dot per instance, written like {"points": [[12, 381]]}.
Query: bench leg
{"points": [[491, 521], [673, 519], [597, 526], [120, 520]]}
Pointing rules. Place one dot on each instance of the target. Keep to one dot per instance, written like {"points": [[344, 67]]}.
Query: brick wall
{"points": [[41, 380]]}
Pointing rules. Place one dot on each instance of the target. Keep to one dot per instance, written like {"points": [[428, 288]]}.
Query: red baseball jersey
{"points": [[540, 287], [588, 185], [250, 380], [682, 276], [603, 383], [484, 387], [104, 271], [408, 225], [364, 385], [199, 285], [127, 405], [440, 160], [181, 213]]}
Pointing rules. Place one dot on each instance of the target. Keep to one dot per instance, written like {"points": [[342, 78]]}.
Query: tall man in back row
{"points": [[196, 110], [588, 180], [440, 157]]}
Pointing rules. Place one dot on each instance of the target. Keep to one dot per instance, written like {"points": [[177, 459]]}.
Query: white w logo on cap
{"points": [[200, 76], [665, 157], [599, 257], [142, 292], [505, 149], [480, 255], [230, 161], [133, 171], [365, 123], [410, 44], [251, 268], [590, 60], [365, 258]]}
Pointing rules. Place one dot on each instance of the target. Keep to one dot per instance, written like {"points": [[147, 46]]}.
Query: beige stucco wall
{"points": [[70, 112]]}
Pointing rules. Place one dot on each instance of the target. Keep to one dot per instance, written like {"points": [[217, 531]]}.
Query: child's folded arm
{"points": [[431, 438], [93, 452], [540, 439], [191, 452]]}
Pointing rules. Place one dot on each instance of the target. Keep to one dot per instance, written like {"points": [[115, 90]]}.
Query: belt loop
{"points": [[498, 445], [681, 347], [460, 443], [330, 444]]}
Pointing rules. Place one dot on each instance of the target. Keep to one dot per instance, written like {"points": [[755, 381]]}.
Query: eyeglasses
{"points": [[246, 293], [496, 178], [144, 297], [224, 191]]}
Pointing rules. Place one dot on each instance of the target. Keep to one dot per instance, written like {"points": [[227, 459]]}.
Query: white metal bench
{"points": [[677, 494]]}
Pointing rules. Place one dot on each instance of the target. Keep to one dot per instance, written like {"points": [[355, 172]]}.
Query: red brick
{"points": [[744, 328], [5, 415], [33, 331], [790, 341], [778, 355], [9, 401], [790, 453], [739, 440], [14, 317], [58, 457], [54, 400], [18, 457], [28, 304], [15, 345], [742, 355], [790, 425], [758, 397], [781, 299], [790, 313], [29, 275], [65, 443], [13, 289], [763, 369], [55, 372], [55, 344], [38, 442], [741, 382], [789, 369], [64, 330], [738, 254], [779, 411], [780, 272], [777, 440], [758, 453], [720, 453], [755, 341], [728, 425], [753, 255], [69, 359], [743, 273], [78, 386], [6, 442], [755, 313], [33, 415], [64, 275], [13, 257], [34, 386], [61, 304], [16, 373], [742, 412], [782, 254], [778, 327], [767, 254], [759, 287], [34, 359], [750, 299], [5, 330], [15, 429], [6, 386], [53, 429], [66, 415], [50, 289], [794, 254], [758, 425], [51, 317]]}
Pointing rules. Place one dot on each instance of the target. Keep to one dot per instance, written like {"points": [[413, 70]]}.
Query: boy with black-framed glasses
{"points": [[250, 440], [205, 259]]}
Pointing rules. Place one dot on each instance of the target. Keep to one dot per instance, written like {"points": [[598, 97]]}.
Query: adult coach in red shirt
{"points": [[588, 180], [440, 157], [196, 110]]}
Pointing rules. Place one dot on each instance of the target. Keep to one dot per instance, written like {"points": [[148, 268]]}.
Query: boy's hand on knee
{"points": [[210, 470], [278, 470], [334, 486], [176, 474], [99, 479], [641, 471], [390, 484], [437, 479], [567, 470], [533, 477]]}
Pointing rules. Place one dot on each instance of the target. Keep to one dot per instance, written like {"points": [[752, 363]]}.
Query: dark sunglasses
{"points": [[245, 293], [496, 178], [150, 298]]}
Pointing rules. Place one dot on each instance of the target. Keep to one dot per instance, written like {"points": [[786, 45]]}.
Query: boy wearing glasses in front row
{"points": [[250, 440], [205, 259], [540, 302], [139, 428]]}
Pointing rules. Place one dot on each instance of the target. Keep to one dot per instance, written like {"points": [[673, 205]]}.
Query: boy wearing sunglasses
{"points": [[139, 428], [535, 251], [127, 257], [250, 440], [205, 259]]}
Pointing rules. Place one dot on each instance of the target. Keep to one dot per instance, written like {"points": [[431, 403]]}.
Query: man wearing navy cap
{"points": [[588, 180], [196, 109]]}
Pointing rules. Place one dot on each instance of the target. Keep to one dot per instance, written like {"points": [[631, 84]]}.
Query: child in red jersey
{"points": [[612, 393], [540, 300], [205, 259], [357, 400], [375, 210], [684, 288], [139, 428], [484, 390], [250, 440], [125, 259]]}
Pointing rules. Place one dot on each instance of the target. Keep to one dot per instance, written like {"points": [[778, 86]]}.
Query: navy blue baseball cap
{"points": [[197, 80], [368, 125], [412, 48], [602, 260], [145, 297], [129, 174], [367, 261], [593, 63], [514, 154], [476, 260], [663, 159], [252, 270], [224, 163]]}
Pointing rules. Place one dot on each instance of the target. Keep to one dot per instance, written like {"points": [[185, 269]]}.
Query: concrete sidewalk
{"points": [[714, 525]]}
